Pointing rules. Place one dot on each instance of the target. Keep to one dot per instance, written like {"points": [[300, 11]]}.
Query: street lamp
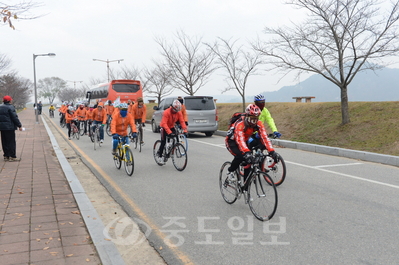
{"points": [[108, 61], [34, 80], [74, 83]]}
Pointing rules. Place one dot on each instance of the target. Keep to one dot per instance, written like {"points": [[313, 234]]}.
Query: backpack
{"points": [[236, 116]]}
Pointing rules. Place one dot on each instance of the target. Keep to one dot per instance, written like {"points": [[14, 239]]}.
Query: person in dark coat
{"points": [[9, 122], [40, 107]]}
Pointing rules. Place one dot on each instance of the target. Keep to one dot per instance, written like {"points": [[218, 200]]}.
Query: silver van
{"points": [[201, 113]]}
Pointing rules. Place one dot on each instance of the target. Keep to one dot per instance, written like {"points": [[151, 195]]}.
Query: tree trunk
{"points": [[243, 102], [344, 105]]}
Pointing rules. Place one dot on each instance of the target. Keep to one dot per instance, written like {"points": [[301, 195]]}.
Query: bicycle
{"points": [[172, 149], [81, 126], [261, 194], [95, 135], [74, 130], [124, 153], [181, 136], [51, 113], [138, 141]]}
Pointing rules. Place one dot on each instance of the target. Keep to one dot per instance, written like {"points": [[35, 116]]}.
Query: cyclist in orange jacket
{"points": [[170, 116], [81, 113], [139, 112], [244, 128], [69, 118], [121, 120], [100, 117]]}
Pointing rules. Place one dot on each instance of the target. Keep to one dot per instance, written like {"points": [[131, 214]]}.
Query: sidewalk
{"points": [[40, 222]]}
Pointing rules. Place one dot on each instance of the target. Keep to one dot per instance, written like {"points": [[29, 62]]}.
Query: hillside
{"points": [[374, 126]]}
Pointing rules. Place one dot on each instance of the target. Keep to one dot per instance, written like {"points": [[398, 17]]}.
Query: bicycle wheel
{"points": [[228, 188], [262, 196], [63, 123], [129, 161], [91, 134], [140, 138], [82, 128], [276, 171], [117, 158], [108, 128], [95, 136], [77, 133], [179, 156], [157, 159], [183, 140], [136, 140]]}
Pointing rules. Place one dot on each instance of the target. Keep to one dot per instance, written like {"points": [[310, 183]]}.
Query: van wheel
{"points": [[154, 127], [208, 134]]}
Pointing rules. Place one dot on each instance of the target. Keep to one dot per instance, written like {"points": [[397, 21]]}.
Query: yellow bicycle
{"points": [[124, 153]]}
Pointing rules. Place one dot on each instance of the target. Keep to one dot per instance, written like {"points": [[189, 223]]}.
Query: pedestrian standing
{"points": [[40, 107], [9, 122]]}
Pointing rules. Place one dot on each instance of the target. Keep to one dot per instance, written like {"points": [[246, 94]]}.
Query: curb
{"points": [[106, 250], [334, 151]]}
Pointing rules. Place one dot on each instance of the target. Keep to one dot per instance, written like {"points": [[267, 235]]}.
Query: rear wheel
{"points": [[228, 188], [157, 144], [179, 156], [262, 196], [208, 134], [129, 161], [117, 158]]}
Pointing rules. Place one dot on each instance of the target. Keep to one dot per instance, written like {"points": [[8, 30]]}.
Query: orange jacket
{"points": [[81, 114], [69, 116], [119, 124], [89, 114], [63, 109], [100, 115], [169, 120], [139, 113], [130, 109], [184, 112], [109, 109]]}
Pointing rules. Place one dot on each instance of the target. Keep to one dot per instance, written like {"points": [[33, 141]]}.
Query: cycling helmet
{"points": [[252, 114], [259, 97], [71, 108], [176, 105], [123, 106]]}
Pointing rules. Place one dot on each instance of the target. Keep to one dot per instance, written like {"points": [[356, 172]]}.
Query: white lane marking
{"points": [[346, 175], [199, 141], [340, 165]]}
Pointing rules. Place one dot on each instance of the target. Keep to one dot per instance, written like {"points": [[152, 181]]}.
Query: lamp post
{"points": [[74, 83], [108, 61], [34, 80]]}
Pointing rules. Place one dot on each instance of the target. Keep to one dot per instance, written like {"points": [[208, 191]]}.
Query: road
{"points": [[332, 210]]}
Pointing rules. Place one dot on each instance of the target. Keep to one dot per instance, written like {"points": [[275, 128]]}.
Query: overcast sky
{"points": [[79, 31]]}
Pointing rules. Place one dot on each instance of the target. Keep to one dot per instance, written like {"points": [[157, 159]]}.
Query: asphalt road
{"points": [[331, 210]]}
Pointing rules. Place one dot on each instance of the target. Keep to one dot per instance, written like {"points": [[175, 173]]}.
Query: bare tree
{"points": [[129, 73], [18, 88], [158, 81], [8, 12], [71, 94], [190, 63], [49, 87], [238, 63], [339, 39], [5, 63]]}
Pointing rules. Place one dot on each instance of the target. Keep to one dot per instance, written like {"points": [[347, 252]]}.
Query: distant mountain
{"points": [[382, 85]]}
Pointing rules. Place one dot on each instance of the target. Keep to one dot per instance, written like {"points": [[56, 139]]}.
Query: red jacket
{"points": [[169, 120], [242, 134]]}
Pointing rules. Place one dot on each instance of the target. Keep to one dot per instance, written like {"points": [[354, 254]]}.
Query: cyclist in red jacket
{"points": [[237, 143], [169, 118]]}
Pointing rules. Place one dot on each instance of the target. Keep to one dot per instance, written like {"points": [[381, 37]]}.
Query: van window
{"points": [[205, 103], [168, 102]]}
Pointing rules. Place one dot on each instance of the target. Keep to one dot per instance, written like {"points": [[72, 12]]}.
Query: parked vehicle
{"points": [[201, 113]]}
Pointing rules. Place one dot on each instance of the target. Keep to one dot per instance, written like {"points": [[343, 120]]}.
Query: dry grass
{"points": [[374, 126]]}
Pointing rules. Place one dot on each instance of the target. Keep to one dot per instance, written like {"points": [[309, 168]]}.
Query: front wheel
{"points": [[228, 187], [129, 161], [108, 129], [276, 171], [262, 196], [82, 128], [179, 156]]}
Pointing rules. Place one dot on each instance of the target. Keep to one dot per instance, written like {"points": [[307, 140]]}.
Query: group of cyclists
{"points": [[119, 116], [248, 128]]}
